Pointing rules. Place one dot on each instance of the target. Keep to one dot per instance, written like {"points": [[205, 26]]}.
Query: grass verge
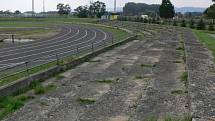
{"points": [[9, 104], [206, 39]]}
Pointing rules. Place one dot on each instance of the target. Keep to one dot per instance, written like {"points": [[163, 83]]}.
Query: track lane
{"points": [[83, 41]]}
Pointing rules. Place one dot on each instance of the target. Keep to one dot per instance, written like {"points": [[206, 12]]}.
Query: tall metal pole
{"points": [[44, 7], [32, 7], [115, 6]]}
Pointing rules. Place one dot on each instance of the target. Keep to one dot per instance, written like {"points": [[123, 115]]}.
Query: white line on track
{"points": [[39, 42]]}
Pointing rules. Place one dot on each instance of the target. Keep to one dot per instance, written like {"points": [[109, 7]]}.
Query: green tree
{"points": [[211, 27], [82, 11], [200, 25], [17, 12], [63, 9], [175, 23], [166, 9], [97, 9], [183, 23], [192, 24], [210, 12]]}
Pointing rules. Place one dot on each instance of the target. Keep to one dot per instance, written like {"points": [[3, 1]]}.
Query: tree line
{"points": [[96, 9]]}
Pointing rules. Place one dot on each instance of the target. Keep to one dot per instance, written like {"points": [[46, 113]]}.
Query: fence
{"points": [[12, 72]]}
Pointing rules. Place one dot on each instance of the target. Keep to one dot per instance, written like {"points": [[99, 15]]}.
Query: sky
{"points": [[25, 5]]}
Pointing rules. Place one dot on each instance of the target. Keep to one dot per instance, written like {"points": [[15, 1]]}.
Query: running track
{"points": [[65, 43]]}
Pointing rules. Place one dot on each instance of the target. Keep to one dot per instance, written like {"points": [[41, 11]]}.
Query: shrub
{"points": [[201, 25], [192, 24], [211, 27], [183, 23], [175, 23]]}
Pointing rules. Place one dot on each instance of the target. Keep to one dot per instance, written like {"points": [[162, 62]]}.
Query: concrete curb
{"points": [[19, 84]]}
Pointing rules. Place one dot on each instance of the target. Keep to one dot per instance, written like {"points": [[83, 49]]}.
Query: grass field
{"points": [[206, 39], [40, 22]]}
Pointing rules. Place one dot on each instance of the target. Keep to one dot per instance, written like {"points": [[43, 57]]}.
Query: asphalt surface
{"points": [[72, 39]]}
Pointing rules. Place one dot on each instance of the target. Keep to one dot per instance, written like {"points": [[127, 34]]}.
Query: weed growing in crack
{"points": [[60, 77], [148, 65], [104, 81], [86, 101]]}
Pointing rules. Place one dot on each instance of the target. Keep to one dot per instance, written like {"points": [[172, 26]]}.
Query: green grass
{"points": [[86, 101], [41, 22], [184, 78], [178, 92], [206, 39], [40, 89], [59, 77], [25, 73], [17, 100]]}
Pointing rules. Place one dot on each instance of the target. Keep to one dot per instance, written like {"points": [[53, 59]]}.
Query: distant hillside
{"points": [[131, 9], [190, 9]]}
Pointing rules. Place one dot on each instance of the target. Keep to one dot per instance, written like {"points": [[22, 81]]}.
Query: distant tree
{"points": [[210, 12], [97, 9], [200, 25], [63, 9], [132, 9], [175, 23], [166, 9], [183, 23], [82, 11], [17, 12], [192, 24], [211, 27]]}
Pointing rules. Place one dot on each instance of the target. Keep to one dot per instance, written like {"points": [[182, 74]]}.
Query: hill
{"points": [[190, 9]]}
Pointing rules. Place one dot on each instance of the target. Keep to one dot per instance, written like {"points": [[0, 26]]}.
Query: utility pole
{"points": [[44, 7], [32, 7], [115, 6]]}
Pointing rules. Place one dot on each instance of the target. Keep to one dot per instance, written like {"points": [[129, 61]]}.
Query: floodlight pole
{"points": [[32, 7], [44, 9], [115, 6]]}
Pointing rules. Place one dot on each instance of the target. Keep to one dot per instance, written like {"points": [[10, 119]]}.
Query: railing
{"points": [[9, 73]]}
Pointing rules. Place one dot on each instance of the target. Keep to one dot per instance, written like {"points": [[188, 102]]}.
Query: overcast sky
{"points": [[25, 5]]}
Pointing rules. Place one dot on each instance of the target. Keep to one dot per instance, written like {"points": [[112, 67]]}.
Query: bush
{"points": [[145, 20], [211, 27], [200, 25], [192, 24], [175, 23], [154, 21], [183, 23]]}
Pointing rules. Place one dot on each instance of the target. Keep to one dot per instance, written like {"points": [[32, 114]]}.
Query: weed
{"points": [[138, 77], [94, 61], [86, 101], [184, 78], [60, 77], [148, 65], [39, 90], [176, 61], [177, 92], [104, 81]]}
